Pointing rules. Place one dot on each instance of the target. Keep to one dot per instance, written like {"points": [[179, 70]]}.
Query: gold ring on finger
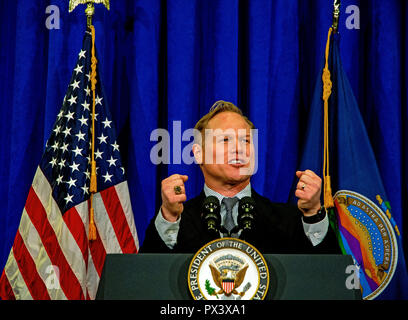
{"points": [[177, 190]]}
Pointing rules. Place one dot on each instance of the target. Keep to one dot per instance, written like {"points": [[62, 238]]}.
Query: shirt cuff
{"points": [[316, 231], [167, 231]]}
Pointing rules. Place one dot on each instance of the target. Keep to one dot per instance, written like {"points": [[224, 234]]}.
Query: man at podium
{"points": [[224, 149]]}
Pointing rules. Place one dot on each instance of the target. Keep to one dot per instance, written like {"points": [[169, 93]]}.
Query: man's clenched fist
{"points": [[173, 195], [308, 191]]}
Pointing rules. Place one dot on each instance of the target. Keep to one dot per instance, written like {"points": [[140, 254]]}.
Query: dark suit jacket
{"points": [[279, 229]]}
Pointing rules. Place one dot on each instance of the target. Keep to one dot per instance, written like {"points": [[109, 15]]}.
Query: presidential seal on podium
{"points": [[228, 269]]}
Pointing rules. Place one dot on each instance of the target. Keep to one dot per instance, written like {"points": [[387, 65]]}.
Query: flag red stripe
{"points": [[68, 281], [75, 225], [28, 270], [6, 292], [118, 220], [98, 253]]}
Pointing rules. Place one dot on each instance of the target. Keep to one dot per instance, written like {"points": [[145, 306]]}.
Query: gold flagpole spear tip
{"points": [[336, 15], [90, 8]]}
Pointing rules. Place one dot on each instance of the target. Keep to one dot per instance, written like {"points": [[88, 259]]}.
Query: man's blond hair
{"points": [[218, 107]]}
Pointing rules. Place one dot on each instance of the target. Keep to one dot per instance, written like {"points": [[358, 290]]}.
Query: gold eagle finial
{"points": [[74, 3]]}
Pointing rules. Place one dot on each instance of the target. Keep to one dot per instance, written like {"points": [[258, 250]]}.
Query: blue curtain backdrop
{"points": [[165, 61]]}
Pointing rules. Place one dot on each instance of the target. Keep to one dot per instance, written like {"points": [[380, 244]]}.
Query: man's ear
{"points": [[198, 153]]}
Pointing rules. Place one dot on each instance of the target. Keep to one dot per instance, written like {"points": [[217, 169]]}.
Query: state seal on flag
{"points": [[367, 234], [228, 269]]}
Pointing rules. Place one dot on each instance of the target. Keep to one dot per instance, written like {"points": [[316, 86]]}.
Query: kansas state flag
{"points": [[362, 215]]}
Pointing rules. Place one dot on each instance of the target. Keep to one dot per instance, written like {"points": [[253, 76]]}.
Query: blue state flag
{"points": [[361, 215]]}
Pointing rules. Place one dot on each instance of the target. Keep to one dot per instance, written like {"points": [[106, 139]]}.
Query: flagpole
{"points": [[336, 15], [327, 91], [89, 12]]}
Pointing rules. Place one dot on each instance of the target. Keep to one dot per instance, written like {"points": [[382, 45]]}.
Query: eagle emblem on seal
{"points": [[228, 273]]}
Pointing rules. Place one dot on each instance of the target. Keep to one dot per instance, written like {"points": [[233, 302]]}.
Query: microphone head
{"points": [[246, 213], [210, 214]]}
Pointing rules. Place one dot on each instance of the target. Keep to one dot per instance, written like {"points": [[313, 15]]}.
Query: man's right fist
{"points": [[172, 201]]}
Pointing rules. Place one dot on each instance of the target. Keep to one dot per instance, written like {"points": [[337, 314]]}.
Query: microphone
{"points": [[246, 215], [210, 215]]}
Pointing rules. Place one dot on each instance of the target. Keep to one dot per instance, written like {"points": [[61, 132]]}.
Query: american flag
{"points": [[51, 257]]}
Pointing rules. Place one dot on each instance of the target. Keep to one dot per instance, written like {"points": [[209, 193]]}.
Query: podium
{"points": [[164, 277]]}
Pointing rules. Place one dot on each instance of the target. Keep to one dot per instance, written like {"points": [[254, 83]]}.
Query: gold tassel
{"points": [[92, 226], [327, 90], [93, 186], [328, 195], [93, 182]]}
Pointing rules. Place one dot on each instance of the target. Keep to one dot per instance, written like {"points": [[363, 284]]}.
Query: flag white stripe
{"points": [[104, 226], [40, 257], [67, 243], [92, 275], [92, 278], [16, 280], [122, 191], [83, 212]]}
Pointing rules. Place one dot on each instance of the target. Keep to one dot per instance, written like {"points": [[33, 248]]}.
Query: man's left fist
{"points": [[308, 191]]}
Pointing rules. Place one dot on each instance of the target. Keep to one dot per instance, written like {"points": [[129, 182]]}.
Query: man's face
{"points": [[228, 153]]}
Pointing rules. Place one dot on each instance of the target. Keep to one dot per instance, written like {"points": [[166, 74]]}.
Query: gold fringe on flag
{"points": [[327, 90]]}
